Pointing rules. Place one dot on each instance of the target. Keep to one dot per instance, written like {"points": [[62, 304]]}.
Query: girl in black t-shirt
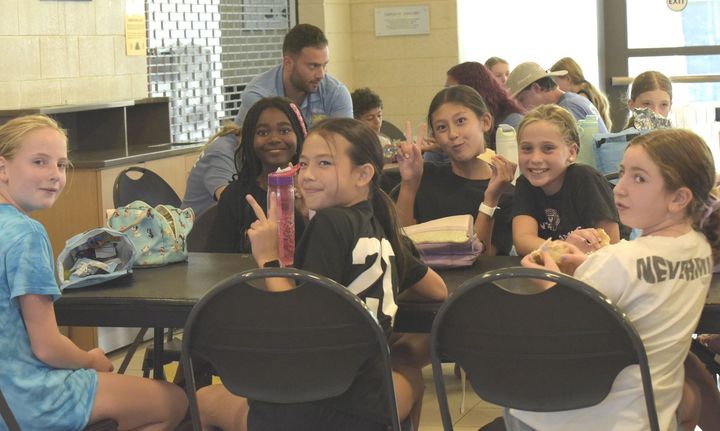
{"points": [[460, 122], [272, 137], [555, 198], [353, 238]]}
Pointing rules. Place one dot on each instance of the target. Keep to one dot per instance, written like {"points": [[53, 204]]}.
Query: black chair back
{"points": [[7, 414], [302, 345], [197, 238], [532, 349], [149, 188], [391, 131]]}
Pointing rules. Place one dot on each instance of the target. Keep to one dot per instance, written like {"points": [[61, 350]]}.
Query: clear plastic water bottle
{"points": [[506, 144], [281, 187], [588, 127]]}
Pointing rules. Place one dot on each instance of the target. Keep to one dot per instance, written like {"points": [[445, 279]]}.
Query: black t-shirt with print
{"points": [[234, 216], [443, 194], [349, 246], [584, 199]]}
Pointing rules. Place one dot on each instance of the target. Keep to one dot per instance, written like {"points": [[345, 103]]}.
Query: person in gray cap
{"points": [[532, 86]]}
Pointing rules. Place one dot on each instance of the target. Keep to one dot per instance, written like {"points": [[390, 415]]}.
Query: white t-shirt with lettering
{"points": [[661, 284]]}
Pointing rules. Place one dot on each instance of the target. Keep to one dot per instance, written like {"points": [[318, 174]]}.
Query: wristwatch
{"points": [[488, 211], [272, 264]]}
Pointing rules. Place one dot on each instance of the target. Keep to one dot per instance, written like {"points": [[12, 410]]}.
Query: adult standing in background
{"points": [[302, 78], [532, 86]]}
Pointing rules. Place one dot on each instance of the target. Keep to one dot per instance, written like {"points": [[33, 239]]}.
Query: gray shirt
{"points": [[213, 169]]}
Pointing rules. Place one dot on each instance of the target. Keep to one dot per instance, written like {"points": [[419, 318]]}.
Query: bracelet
{"points": [[487, 210]]}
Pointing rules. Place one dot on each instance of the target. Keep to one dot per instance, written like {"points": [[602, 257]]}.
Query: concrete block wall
{"points": [[66, 52], [406, 71]]}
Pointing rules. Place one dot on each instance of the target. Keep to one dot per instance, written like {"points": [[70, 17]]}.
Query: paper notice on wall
{"points": [[402, 21], [135, 36]]}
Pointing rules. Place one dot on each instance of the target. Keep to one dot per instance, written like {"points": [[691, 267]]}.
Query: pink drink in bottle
{"points": [[282, 184]]}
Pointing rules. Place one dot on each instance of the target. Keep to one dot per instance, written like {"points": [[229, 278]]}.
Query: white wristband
{"points": [[488, 211]]}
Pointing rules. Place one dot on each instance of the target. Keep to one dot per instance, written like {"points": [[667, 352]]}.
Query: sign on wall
{"points": [[402, 21], [135, 39]]}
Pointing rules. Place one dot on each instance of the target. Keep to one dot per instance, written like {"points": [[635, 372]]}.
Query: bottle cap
{"points": [[283, 177]]}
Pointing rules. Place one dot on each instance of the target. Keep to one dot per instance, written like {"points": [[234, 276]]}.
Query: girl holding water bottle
{"points": [[272, 136], [354, 239]]}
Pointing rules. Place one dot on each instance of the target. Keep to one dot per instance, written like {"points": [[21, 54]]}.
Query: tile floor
{"points": [[477, 411]]}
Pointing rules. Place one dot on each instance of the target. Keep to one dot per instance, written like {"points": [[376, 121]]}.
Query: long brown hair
{"points": [[686, 161], [597, 97]]}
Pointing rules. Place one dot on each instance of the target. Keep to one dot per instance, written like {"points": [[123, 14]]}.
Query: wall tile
{"points": [[43, 92], [80, 17], [40, 17], [20, 58], [125, 64], [9, 17], [9, 95], [59, 56], [109, 16], [97, 55], [139, 86], [96, 89]]}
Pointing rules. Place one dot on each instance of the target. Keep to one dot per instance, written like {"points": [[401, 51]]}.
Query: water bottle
{"points": [[281, 187], [588, 128], [506, 144]]}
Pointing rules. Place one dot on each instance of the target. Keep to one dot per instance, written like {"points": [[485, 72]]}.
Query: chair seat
{"points": [[171, 353]]}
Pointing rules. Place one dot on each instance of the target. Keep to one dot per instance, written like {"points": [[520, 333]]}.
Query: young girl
{"points": [[213, 170], [339, 177], [651, 90], [575, 82], [459, 121], [50, 383], [272, 137], [666, 179], [500, 69], [554, 197]]}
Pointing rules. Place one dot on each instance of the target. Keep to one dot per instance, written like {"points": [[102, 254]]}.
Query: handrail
{"points": [[685, 79]]}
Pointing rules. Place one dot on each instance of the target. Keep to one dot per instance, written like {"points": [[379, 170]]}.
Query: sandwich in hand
{"points": [[554, 248]]}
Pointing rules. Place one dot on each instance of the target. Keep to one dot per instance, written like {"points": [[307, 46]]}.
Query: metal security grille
{"points": [[202, 53]]}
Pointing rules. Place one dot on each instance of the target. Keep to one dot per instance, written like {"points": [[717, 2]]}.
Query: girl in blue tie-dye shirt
{"points": [[50, 383]]}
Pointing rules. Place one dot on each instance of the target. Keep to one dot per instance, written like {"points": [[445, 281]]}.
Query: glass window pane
{"points": [[654, 25], [693, 103]]}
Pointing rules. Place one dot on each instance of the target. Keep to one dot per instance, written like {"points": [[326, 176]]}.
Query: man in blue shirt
{"points": [[532, 86], [301, 78]]}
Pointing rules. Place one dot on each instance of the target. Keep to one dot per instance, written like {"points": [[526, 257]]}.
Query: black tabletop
{"points": [[164, 296]]}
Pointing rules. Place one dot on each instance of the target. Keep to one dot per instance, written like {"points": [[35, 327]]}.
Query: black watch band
{"points": [[272, 264]]}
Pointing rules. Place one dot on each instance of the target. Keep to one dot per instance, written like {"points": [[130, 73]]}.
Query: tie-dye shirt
{"points": [[41, 397]]}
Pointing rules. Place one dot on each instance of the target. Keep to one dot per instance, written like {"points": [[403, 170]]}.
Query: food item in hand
{"points": [[555, 248], [604, 237], [487, 155]]}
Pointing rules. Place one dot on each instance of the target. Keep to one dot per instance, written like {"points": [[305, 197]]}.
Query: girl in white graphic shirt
{"points": [[665, 189]]}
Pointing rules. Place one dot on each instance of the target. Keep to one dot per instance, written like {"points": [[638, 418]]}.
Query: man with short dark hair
{"points": [[533, 86], [301, 77]]}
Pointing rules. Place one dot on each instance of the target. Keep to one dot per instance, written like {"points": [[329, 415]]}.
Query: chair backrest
{"points": [[302, 345], [391, 131], [197, 238], [532, 349], [7, 414], [149, 187]]}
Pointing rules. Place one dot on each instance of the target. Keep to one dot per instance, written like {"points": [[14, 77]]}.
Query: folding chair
{"points": [[305, 344], [197, 238], [153, 190], [12, 424], [149, 188], [516, 342]]}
